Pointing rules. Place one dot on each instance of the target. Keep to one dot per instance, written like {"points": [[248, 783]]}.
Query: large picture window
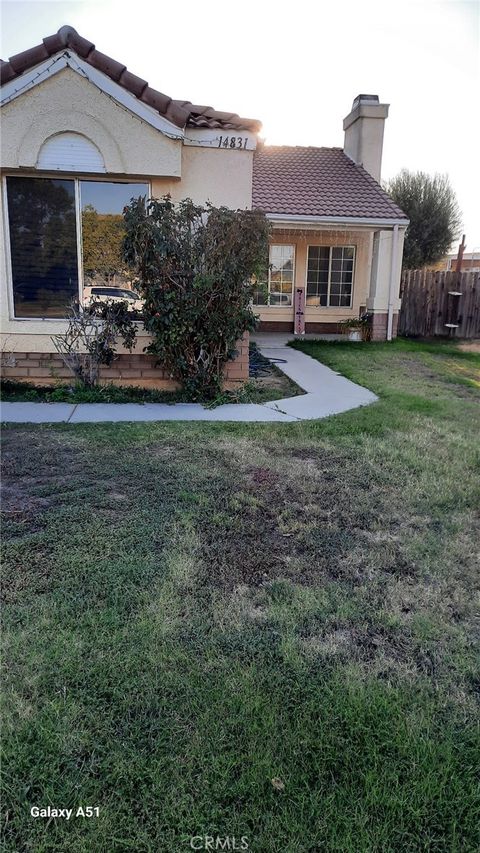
{"points": [[279, 288], [330, 276], [53, 250], [43, 245]]}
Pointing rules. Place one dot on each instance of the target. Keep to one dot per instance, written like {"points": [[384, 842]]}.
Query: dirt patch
{"points": [[442, 374], [470, 346], [302, 519], [44, 472], [17, 500], [380, 651], [264, 476], [266, 377], [278, 382], [416, 368]]}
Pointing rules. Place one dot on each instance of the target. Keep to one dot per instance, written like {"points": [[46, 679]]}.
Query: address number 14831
{"points": [[233, 141]]}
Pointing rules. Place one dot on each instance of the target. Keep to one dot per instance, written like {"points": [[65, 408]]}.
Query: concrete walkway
{"points": [[327, 393]]}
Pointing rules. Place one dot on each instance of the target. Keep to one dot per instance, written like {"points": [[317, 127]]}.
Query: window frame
{"points": [[330, 247], [76, 177], [294, 262]]}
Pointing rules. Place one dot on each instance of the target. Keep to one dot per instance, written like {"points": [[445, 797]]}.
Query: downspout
{"points": [[393, 273]]}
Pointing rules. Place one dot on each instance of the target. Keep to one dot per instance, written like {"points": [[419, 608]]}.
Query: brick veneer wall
{"points": [[379, 324], [134, 369], [378, 327], [285, 326]]}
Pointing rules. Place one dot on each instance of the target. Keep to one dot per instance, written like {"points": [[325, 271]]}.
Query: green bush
{"points": [[195, 266]]}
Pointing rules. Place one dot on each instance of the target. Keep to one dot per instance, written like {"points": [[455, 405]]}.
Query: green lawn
{"points": [[194, 610]]}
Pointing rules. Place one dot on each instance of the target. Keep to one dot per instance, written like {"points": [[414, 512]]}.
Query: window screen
{"points": [[280, 278], [317, 275], [330, 276]]}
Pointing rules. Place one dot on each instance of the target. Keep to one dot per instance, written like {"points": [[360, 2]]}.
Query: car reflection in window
{"points": [[113, 294]]}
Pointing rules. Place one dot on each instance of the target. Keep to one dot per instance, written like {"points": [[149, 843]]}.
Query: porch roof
{"points": [[317, 182]]}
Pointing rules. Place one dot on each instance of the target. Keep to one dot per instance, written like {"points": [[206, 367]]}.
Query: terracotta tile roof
{"points": [[317, 182], [180, 113]]}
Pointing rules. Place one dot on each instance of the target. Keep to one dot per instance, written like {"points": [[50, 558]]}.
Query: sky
{"points": [[297, 67]]}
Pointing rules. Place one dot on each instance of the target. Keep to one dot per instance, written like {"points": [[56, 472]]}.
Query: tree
{"points": [[102, 243], [435, 218], [43, 230], [195, 266]]}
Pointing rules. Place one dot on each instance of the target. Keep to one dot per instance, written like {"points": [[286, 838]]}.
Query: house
{"points": [[82, 135], [470, 262]]}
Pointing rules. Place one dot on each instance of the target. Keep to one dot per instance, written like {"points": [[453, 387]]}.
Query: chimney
{"points": [[363, 128]]}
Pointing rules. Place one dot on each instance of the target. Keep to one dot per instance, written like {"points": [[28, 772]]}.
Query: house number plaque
{"points": [[233, 141]]}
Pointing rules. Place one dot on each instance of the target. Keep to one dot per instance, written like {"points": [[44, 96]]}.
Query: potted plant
{"points": [[354, 328]]}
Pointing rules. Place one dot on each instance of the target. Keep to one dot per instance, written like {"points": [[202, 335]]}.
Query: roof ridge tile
{"points": [[180, 113]]}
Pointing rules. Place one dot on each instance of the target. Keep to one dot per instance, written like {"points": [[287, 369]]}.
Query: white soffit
{"points": [[70, 152], [69, 59]]}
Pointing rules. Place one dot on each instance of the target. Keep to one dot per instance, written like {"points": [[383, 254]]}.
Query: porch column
{"points": [[385, 282]]}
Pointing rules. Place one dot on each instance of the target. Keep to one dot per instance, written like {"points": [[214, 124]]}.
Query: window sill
{"points": [[38, 319]]}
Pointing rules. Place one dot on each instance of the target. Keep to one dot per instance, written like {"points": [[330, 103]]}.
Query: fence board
{"points": [[430, 308]]}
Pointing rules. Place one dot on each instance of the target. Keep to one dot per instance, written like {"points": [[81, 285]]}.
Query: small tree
{"points": [[435, 219], [91, 338], [195, 267], [102, 236]]}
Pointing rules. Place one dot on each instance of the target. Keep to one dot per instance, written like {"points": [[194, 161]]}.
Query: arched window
{"points": [[70, 152]]}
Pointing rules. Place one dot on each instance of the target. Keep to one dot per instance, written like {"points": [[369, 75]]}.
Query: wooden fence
{"points": [[440, 303]]}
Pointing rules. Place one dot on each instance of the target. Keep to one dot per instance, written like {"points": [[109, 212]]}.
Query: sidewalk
{"points": [[328, 393]]}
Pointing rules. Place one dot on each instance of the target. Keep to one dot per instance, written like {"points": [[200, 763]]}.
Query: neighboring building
{"points": [[81, 135], [470, 262]]}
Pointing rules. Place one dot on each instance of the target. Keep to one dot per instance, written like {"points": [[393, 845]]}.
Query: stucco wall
{"points": [[364, 144], [4, 278], [364, 128], [222, 177], [379, 289], [362, 240], [68, 102], [130, 148]]}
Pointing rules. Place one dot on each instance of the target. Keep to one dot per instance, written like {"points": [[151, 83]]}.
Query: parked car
{"points": [[113, 294]]}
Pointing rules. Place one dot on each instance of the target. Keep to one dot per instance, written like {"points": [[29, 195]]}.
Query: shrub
{"points": [[195, 266], [91, 338]]}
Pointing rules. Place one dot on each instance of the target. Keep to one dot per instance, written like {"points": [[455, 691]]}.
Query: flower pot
{"points": [[354, 334]]}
